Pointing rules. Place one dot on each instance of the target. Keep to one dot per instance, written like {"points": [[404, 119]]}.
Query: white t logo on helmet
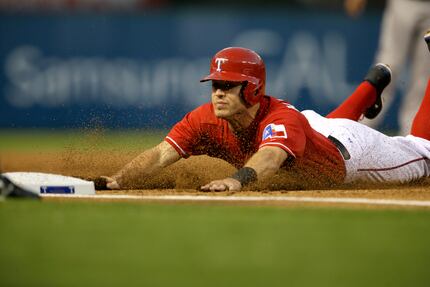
{"points": [[219, 61]]}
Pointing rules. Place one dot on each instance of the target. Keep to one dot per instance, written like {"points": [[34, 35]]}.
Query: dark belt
{"points": [[342, 149]]}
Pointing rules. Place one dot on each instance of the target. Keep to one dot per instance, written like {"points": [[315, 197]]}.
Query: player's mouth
{"points": [[220, 105]]}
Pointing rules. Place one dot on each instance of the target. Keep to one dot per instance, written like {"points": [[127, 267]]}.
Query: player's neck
{"points": [[243, 120]]}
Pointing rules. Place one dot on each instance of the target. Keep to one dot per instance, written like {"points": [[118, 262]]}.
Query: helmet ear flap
{"points": [[252, 93], [243, 92]]}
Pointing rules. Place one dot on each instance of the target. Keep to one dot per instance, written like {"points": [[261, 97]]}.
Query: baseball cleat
{"points": [[379, 76], [427, 39]]}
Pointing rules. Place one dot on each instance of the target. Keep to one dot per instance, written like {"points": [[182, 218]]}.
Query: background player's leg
{"points": [[420, 125], [356, 104], [396, 36], [419, 72], [422, 118]]}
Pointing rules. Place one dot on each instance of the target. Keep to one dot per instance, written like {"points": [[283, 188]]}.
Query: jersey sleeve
{"points": [[184, 135], [284, 130]]}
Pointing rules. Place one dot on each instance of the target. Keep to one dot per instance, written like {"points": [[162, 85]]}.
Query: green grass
{"points": [[27, 140], [131, 244]]}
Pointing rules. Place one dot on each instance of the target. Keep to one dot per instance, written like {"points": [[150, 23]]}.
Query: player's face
{"points": [[226, 98]]}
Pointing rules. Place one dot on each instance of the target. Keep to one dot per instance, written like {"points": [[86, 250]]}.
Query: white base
{"points": [[46, 183]]}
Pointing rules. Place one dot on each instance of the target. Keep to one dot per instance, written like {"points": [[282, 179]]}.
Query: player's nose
{"points": [[219, 93]]}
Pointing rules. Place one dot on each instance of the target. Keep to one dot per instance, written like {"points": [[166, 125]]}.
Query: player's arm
{"points": [[177, 144], [267, 161], [264, 163], [145, 164]]}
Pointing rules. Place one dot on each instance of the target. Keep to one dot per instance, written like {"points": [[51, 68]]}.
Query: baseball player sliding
{"points": [[260, 134]]}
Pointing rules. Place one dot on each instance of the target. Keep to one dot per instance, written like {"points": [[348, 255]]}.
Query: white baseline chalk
{"points": [[370, 201]]}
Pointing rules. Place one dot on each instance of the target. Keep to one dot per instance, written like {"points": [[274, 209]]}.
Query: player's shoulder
{"points": [[281, 108], [282, 114]]}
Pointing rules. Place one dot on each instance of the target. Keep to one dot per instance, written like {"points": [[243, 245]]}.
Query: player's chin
{"points": [[222, 113]]}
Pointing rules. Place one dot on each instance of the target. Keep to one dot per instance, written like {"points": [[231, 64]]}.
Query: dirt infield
{"points": [[184, 177]]}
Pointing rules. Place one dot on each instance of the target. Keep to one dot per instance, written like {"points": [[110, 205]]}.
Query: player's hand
{"points": [[105, 182], [222, 185], [111, 183]]}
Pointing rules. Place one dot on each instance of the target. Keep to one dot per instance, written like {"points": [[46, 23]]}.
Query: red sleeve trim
{"points": [[284, 147], [175, 145]]}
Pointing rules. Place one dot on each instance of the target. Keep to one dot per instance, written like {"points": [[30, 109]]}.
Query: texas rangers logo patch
{"points": [[274, 131]]}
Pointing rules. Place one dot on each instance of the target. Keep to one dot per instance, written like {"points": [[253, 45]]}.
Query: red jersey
{"points": [[277, 123]]}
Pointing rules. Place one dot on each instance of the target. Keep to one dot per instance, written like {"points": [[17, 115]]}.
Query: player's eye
{"points": [[224, 86]]}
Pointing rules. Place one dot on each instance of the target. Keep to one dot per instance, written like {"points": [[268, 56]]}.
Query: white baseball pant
{"points": [[375, 157]]}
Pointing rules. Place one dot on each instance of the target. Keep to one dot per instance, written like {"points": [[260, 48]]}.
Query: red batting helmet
{"points": [[236, 64]]}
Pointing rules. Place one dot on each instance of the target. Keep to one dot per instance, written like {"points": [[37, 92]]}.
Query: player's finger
{"points": [[113, 185], [218, 187], [106, 182], [204, 187], [214, 186]]}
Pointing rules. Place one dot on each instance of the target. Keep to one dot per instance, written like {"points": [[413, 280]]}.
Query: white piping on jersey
{"points": [[176, 144], [279, 144]]}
